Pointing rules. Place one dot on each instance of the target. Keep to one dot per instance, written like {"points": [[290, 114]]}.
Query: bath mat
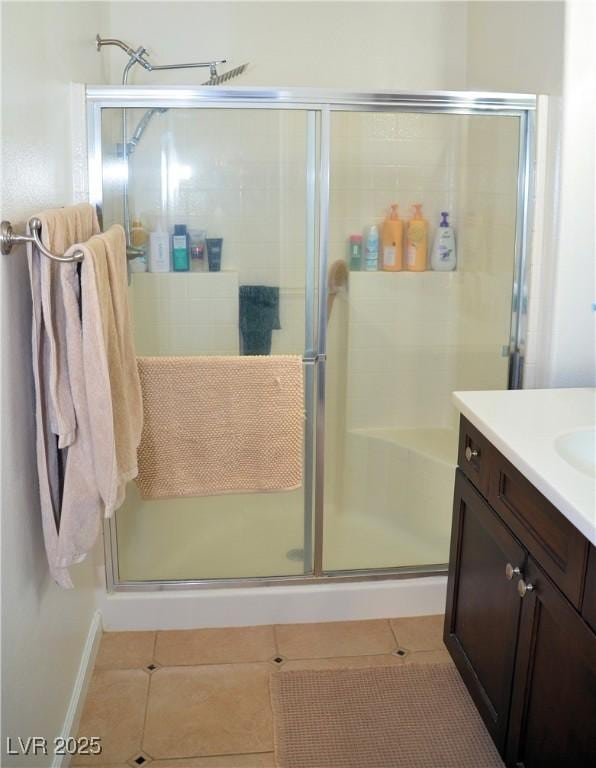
{"points": [[216, 425], [410, 716]]}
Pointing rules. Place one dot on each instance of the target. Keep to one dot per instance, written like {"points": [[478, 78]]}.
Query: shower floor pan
{"points": [[391, 509]]}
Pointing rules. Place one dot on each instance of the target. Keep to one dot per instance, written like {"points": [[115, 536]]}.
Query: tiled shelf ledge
{"points": [[171, 273], [422, 275], [391, 283], [178, 286]]}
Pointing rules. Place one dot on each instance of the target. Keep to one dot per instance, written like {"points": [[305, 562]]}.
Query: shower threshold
{"points": [[334, 577]]}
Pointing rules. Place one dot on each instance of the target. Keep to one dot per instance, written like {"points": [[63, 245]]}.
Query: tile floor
{"points": [[200, 698]]}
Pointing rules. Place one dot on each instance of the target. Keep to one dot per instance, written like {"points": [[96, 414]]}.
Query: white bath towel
{"points": [[111, 375], [60, 228], [106, 392], [54, 409]]}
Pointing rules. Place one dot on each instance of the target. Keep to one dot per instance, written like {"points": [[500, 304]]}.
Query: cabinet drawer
{"points": [[554, 542], [589, 601], [474, 455]]}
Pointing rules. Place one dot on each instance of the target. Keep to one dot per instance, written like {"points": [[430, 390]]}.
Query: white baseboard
{"points": [[81, 685], [251, 606]]}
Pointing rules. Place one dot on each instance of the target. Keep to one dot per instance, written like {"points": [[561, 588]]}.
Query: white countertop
{"points": [[524, 424]]}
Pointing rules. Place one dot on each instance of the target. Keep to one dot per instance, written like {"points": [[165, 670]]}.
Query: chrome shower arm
{"points": [[137, 56], [100, 41], [128, 146], [210, 64]]}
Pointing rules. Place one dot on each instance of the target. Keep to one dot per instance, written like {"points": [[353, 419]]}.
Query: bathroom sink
{"points": [[578, 448]]}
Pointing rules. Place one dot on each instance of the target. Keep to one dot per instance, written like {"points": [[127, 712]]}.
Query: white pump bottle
{"points": [[443, 257]]}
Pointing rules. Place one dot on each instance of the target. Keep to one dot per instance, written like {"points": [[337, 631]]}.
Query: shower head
{"points": [[141, 128], [216, 79], [139, 57]]}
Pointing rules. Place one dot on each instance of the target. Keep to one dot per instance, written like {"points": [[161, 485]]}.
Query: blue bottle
{"points": [[180, 249], [371, 249]]}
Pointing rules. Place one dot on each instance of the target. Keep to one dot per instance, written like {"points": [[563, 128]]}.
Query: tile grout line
{"points": [[203, 757], [398, 646], [150, 674], [275, 640], [180, 759], [267, 661]]}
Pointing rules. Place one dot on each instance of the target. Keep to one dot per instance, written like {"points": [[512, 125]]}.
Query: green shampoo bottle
{"points": [[180, 249]]}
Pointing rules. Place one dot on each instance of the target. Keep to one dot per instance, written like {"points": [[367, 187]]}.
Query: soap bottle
{"points": [[138, 238], [417, 237], [180, 249], [393, 235], [371, 249], [159, 250], [355, 255], [443, 257], [198, 249]]}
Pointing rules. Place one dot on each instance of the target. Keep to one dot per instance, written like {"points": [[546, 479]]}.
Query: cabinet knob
{"points": [[523, 587], [470, 453], [510, 571]]}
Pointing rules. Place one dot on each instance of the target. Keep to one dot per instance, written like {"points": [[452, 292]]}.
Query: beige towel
{"points": [[54, 409], [220, 425], [60, 229], [112, 386], [82, 505], [106, 392]]}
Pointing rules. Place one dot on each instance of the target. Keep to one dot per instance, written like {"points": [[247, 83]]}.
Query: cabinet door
{"points": [[589, 602], [553, 710], [483, 605]]}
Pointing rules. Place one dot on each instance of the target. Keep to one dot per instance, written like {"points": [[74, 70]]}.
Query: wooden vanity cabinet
{"points": [[553, 709], [520, 600], [589, 602], [483, 606]]}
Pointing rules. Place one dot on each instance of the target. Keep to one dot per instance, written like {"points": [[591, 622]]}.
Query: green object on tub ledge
{"points": [[259, 317]]}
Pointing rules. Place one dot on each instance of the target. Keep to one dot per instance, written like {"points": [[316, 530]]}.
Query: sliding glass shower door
{"points": [[246, 176], [401, 342], [288, 180]]}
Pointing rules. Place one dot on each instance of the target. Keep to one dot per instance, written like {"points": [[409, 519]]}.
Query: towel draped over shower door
{"points": [[216, 425]]}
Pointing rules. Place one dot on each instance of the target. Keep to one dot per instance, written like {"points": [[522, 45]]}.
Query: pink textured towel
{"points": [[220, 425]]}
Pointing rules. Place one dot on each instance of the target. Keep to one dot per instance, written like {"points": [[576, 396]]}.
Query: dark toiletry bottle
{"points": [[214, 248], [180, 249]]}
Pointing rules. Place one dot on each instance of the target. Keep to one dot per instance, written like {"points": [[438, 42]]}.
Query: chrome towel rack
{"points": [[8, 238]]}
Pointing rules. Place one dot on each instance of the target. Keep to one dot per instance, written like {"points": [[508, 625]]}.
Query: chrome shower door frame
{"points": [[319, 106]]}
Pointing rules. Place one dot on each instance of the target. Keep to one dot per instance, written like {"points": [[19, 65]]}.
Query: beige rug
{"points": [[410, 716], [220, 425]]}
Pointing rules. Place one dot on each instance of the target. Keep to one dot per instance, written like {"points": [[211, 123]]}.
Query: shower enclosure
{"points": [[285, 177]]}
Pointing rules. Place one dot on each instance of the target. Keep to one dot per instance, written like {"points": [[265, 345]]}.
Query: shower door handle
{"points": [[313, 359]]}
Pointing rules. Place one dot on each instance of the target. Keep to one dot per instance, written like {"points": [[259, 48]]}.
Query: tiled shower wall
{"points": [[239, 175], [185, 314], [413, 338], [398, 343]]}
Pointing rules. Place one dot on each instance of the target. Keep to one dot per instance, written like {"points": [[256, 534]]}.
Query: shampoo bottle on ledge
{"points": [[443, 257], [159, 250], [180, 249], [371, 249], [393, 237], [417, 241]]}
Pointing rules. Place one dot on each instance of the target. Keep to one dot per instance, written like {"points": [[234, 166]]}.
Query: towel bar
{"points": [[8, 239]]}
